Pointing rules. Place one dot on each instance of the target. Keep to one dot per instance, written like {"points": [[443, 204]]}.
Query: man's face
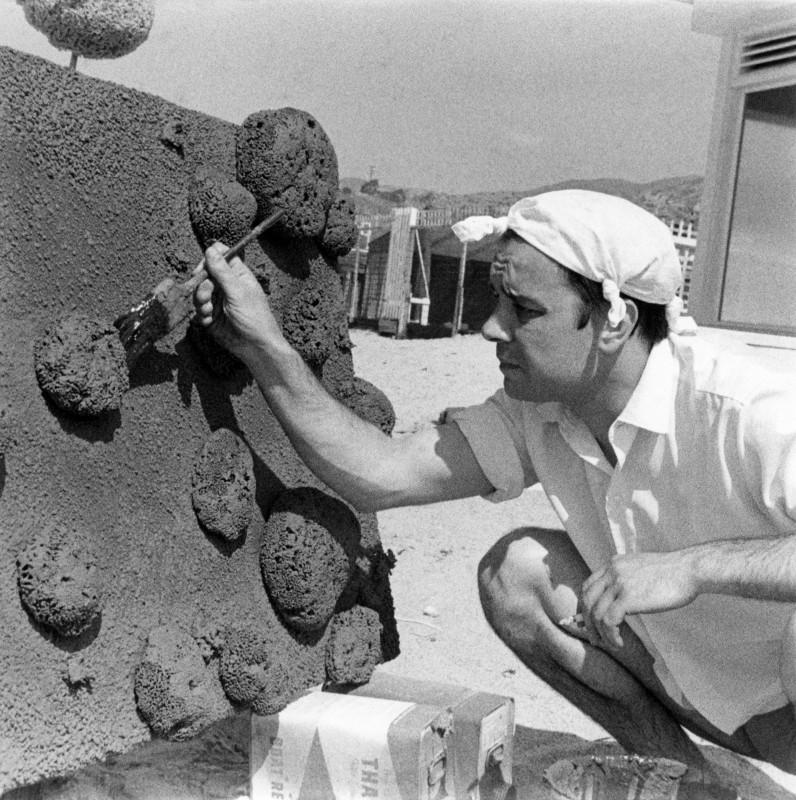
{"points": [[543, 356]]}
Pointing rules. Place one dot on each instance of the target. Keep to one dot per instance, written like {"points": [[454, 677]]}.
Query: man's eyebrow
{"points": [[517, 297]]}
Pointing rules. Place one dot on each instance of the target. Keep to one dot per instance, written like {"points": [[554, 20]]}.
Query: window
{"points": [[759, 286]]}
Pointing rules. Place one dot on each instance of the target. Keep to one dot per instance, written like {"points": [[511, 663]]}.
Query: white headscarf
{"points": [[600, 236]]}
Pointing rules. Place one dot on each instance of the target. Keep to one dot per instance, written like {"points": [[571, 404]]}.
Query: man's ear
{"points": [[612, 337]]}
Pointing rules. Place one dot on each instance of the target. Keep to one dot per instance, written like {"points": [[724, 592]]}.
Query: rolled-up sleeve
{"points": [[495, 432]]}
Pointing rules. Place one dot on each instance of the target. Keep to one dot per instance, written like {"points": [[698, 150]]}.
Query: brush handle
{"points": [[169, 303], [200, 273], [175, 300]]}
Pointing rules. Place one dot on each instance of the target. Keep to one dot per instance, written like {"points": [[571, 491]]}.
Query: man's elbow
{"points": [[371, 501], [366, 505]]}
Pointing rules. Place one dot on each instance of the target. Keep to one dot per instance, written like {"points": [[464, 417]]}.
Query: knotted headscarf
{"points": [[602, 237]]}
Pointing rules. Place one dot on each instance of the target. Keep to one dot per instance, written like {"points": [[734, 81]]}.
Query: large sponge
{"points": [[310, 543], [92, 28], [59, 582], [82, 366], [285, 159], [176, 692]]}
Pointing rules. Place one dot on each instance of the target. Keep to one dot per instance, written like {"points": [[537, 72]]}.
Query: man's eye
{"points": [[523, 312]]}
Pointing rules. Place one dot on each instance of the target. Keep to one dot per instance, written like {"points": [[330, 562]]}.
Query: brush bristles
{"points": [[141, 326], [169, 303]]}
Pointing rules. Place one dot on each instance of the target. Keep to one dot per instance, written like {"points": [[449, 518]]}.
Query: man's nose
{"points": [[496, 329]]}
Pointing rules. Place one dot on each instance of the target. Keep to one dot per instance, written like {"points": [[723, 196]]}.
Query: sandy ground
{"points": [[444, 636]]}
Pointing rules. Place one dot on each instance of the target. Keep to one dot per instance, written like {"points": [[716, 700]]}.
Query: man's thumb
{"points": [[216, 265]]}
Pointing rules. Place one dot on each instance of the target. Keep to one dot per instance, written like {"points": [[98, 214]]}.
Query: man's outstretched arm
{"points": [[363, 465]]}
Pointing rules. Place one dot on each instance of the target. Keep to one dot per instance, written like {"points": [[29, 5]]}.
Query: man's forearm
{"points": [[648, 582], [762, 569], [344, 451], [356, 459]]}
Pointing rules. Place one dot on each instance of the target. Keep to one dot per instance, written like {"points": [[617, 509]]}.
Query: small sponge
{"points": [[252, 674], [309, 547], [341, 232], [285, 159], [177, 693], [221, 210], [223, 485], [368, 402], [354, 646], [92, 28], [59, 582], [82, 366]]}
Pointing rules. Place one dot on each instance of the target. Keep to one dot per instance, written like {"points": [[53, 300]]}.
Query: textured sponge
{"points": [[221, 210], [285, 159], [81, 365], [314, 321], [310, 543], [354, 646], [59, 581], [92, 28], [369, 402], [176, 692], [223, 485], [253, 675], [341, 232]]}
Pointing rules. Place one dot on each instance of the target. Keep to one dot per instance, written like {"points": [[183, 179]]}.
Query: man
{"points": [[672, 468]]}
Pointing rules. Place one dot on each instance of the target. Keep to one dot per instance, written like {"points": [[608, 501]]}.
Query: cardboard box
{"points": [[327, 746], [482, 741]]}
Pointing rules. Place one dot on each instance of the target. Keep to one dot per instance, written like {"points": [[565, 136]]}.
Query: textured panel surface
{"points": [[93, 213]]}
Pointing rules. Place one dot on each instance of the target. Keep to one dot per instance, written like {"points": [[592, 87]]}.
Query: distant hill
{"points": [[668, 198]]}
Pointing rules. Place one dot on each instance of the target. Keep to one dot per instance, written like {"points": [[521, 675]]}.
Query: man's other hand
{"points": [[634, 583]]}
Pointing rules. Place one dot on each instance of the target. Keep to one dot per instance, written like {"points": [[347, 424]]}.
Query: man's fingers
{"points": [[611, 635], [593, 588], [215, 263], [593, 578], [597, 613], [204, 293], [609, 616], [615, 613]]}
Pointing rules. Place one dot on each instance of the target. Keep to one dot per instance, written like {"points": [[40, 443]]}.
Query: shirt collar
{"points": [[650, 404]]}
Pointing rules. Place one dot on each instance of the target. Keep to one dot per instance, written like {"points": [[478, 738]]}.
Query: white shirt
{"points": [[706, 450]]}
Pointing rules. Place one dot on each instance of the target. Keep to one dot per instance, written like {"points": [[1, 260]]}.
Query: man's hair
{"points": [[652, 326]]}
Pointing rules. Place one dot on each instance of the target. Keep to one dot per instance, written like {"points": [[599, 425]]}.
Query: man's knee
{"points": [[528, 577]]}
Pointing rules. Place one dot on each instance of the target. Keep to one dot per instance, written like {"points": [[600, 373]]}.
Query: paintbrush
{"points": [[170, 302]]}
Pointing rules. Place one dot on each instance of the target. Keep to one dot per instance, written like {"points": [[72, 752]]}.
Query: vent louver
{"points": [[771, 51]]}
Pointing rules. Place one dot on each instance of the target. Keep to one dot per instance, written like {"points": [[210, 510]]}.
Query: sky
{"points": [[451, 95]]}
